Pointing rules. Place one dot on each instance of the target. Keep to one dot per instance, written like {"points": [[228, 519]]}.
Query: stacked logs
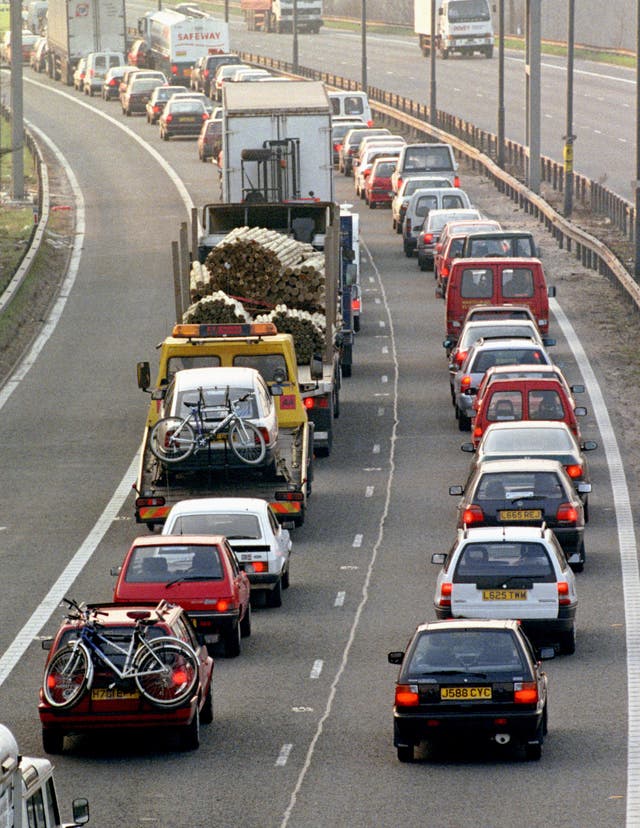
{"points": [[307, 329], [216, 309]]}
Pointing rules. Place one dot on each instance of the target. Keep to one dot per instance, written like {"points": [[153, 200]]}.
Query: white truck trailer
{"points": [[77, 27], [463, 26], [277, 15], [27, 790]]}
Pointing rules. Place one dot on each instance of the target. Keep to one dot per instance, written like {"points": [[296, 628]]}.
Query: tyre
{"points": [[206, 711], [247, 443], [67, 676], [464, 422], [172, 440], [347, 368], [488, 52], [422, 263], [285, 579], [567, 642], [231, 640], [405, 753], [408, 250], [164, 135], [585, 508], [127, 112], [533, 752], [274, 596], [356, 324], [190, 735], [372, 205], [444, 54], [167, 672], [52, 740], [245, 624]]}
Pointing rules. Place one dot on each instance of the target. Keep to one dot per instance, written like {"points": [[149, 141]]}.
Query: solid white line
{"points": [[283, 756], [628, 559], [339, 602], [365, 587], [316, 669]]}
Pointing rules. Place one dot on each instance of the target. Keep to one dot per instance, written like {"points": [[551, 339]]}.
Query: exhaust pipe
{"points": [[502, 738]]}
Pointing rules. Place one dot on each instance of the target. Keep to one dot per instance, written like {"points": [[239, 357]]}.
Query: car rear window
{"points": [[476, 283], [517, 281], [427, 158], [160, 564], [545, 405], [182, 107], [233, 527], [424, 204], [507, 356], [502, 562], [144, 84], [505, 405], [535, 439], [513, 486], [385, 170], [215, 402], [464, 649]]}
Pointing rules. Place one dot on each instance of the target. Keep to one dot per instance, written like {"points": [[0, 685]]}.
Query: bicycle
{"points": [[164, 669], [175, 439]]}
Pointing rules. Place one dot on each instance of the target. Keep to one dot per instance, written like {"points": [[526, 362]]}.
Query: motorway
{"points": [[302, 729]]}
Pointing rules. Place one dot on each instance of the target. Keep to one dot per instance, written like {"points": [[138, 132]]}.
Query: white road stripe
{"points": [[357, 541], [283, 756], [369, 491], [316, 669], [339, 602]]}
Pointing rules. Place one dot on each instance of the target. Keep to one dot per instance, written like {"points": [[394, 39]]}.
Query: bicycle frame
{"points": [[196, 415], [88, 634]]}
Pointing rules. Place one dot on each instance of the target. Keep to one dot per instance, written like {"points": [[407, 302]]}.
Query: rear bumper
{"points": [[412, 728], [538, 627]]}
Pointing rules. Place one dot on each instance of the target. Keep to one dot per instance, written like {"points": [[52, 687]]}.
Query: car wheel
{"points": [[232, 645], [356, 323], [398, 227], [245, 624], [190, 735], [372, 205], [422, 263], [52, 740], [127, 112], [567, 642], [408, 250], [585, 509], [206, 711], [533, 752], [405, 753], [164, 136], [274, 597], [285, 579], [464, 422]]}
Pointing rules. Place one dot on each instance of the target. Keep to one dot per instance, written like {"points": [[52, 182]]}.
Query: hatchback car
{"points": [[450, 245], [78, 74], [110, 702], [526, 492], [261, 545], [159, 97], [138, 94], [530, 371], [351, 145], [98, 64], [339, 129], [469, 680], [432, 227], [421, 203], [363, 164], [111, 83], [515, 572], [400, 200], [182, 119], [38, 59], [377, 188], [210, 140], [203, 73], [199, 572], [223, 73]]}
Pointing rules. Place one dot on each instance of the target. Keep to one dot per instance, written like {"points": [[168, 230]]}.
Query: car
{"points": [[446, 249], [98, 64], [362, 168], [251, 74], [339, 129], [421, 203], [350, 104], [540, 371], [400, 200], [511, 243], [432, 227], [133, 71], [418, 159], [524, 491], [204, 70], [79, 73], [525, 399], [489, 329], [197, 96], [486, 353], [38, 59], [217, 385], [183, 119], [462, 680], [138, 94], [210, 140], [201, 573], [223, 73], [29, 40], [111, 83], [377, 188], [112, 703], [517, 572], [351, 146], [160, 95], [262, 545], [537, 440]]}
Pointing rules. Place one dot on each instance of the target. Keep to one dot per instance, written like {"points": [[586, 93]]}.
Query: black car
{"points": [[526, 492], [138, 94], [158, 99], [464, 680], [182, 118], [204, 71]]}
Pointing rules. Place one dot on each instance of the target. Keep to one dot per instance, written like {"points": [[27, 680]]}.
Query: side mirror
{"points": [[115, 570], [580, 411], [447, 343], [456, 490], [468, 447], [47, 643], [438, 558], [589, 445], [551, 291], [316, 367], [548, 342], [80, 807], [276, 390], [395, 657], [545, 653], [584, 488], [144, 375], [577, 389]]}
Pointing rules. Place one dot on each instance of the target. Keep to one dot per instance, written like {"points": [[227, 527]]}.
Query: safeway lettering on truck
{"points": [[199, 36]]}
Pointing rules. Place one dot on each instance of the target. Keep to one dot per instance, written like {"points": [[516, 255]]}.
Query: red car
{"points": [[99, 699], [199, 572], [377, 188]]}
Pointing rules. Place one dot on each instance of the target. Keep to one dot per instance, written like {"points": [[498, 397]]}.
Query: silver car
{"points": [[429, 233], [424, 202]]}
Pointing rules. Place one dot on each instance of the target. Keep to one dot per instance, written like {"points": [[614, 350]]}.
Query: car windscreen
{"points": [[427, 158], [464, 650], [535, 439], [507, 356], [232, 526], [271, 367], [161, 564], [179, 363], [520, 486], [215, 402], [502, 563], [468, 11]]}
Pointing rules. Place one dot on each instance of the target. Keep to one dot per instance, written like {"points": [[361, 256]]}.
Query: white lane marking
{"points": [[51, 601], [349, 568], [385, 349], [283, 756], [339, 602], [316, 669], [384, 378], [369, 491], [382, 323], [357, 542], [381, 412], [376, 448], [365, 587], [377, 300], [628, 559]]}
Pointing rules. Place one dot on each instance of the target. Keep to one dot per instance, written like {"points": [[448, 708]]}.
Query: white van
{"points": [[98, 64], [351, 104]]}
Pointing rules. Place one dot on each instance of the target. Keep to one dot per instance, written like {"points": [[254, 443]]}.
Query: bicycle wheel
{"points": [[67, 676], [247, 442], [172, 440], [166, 671]]}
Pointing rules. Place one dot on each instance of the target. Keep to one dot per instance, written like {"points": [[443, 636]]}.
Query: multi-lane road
{"points": [[302, 730]]}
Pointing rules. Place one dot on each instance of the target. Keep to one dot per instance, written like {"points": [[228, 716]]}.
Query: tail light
{"points": [[114, 82], [169, 118], [563, 593], [444, 272], [366, 173], [225, 604], [408, 225], [407, 695], [265, 433], [477, 432], [205, 116], [465, 383], [206, 73], [574, 471], [91, 73], [456, 181], [567, 513], [255, 566], [355, 305], [427, 238], [460, 357], [445, 594], [369, 123], [174, 70], [525, 692], [472, 514], [156, 108], [399, 184], [316, 402]]}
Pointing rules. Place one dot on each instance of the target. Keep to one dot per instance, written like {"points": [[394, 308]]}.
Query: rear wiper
{"points": [[435, 671], [189, 578]]}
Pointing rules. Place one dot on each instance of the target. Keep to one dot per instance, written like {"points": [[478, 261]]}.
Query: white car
{"points": [[363, 167], [515, 572], [261, 545], [217, 385], [400, 201]]}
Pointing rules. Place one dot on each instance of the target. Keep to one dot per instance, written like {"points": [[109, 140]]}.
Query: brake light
{"points": [[205, 116], [574, 471], [168, 118], [366, 173], [399, 184], [225, 604], [179, 676], [369, 123], [456, 181], [445, 594], [460, 357], [206, 73], [355, 305], [256, 566], [465, 382], [91, 73], [316, 402], [407, 695], [265, 433], [525, 692], [477, 432], [427, 238], [156, 108], [174, 70], [563, 593], [408, 225], [444, 272], [472, 514], [114, 82]]}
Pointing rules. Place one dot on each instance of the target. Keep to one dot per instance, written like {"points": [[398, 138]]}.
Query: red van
{"points": [[496, 281], [525, 399]]}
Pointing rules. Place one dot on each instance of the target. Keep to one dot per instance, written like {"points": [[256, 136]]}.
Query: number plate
{"points": [[520, 514], [504, 594], [251, 556], [464, 693], [187, 119], [108, 694]]}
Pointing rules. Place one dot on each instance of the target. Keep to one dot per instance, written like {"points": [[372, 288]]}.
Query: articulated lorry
{"points": [[27, 790], [77, 27], [462, 26], [174, 41], [277, 15]]}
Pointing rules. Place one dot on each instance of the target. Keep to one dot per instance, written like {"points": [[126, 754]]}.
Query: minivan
{"points": [[418, 159], [421, 202], [351, 104], [496, 281], [98, 64]]}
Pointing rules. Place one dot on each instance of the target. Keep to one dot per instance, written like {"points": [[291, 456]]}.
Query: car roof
{"points": [[112, 614], [472, 324], [194, 377], [219, 505], [542, 425], [518, 382], [497, 534], [491, 343], [501, 234], [469, 623], [178, 540], [499, 261], [521, 464]]}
